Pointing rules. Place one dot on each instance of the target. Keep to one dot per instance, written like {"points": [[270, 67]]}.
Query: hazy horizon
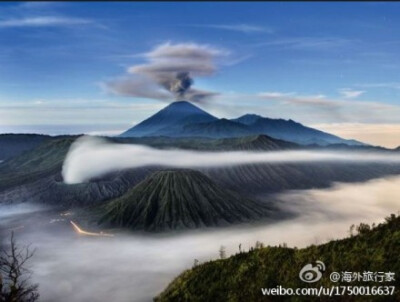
{"points": [[78, 67]]}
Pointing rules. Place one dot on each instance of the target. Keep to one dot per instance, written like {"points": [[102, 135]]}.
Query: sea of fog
{"points": [[135, 267]]}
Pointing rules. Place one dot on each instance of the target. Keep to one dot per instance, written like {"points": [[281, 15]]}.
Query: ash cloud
{"points": [[169, 73], [91, 157]]}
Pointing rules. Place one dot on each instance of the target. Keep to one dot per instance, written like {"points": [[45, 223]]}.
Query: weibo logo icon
{"points": [[310, 273]]}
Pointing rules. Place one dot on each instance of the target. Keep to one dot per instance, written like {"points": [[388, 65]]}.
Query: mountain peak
{"points": [[183, 107], [248, 119], [251, 115], [170, 120]]}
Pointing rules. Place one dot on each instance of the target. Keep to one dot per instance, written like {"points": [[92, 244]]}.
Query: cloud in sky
{"points": [[387, 135], [354, 111], [391, 85], [169, 73], [309, 43], [57, 112], [311, 110], [275, 94], [243, 28], [350, 93], [43, 21], [136, 86], [319, 100]]}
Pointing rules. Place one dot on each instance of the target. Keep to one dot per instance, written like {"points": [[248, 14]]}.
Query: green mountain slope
{"points": [[277, 177], [253, 142], [42, 161], [176, 199], [241, 277], [12, 145]]}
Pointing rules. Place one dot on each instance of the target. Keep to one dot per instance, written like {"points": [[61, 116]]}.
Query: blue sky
{"points": [[332, 65]]}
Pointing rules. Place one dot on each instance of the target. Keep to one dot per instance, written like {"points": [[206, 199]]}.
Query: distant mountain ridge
{"points": [[290, 130], [183, 119]]}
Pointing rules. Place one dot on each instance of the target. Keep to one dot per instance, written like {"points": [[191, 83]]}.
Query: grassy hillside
{"points": [[176, 199], [257, 179], [42, 161], [253, 142], [12, 145], [241, 277]]}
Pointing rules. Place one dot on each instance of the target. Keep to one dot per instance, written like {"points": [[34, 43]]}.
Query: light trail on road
{"points": [[83, 232]]}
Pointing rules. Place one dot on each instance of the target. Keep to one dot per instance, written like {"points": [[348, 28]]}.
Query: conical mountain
{"points": [[183, 119], [177, 199], [170, 120]]}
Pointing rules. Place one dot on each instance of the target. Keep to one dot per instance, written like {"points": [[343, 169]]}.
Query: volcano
{"points": [[170, 120], [183, 119], [178, 199]]}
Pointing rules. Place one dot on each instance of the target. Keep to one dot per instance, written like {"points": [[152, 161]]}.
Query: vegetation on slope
{"points": [[12, 145], [241, 277], [176, 199], [253, 142], [44, 160]]}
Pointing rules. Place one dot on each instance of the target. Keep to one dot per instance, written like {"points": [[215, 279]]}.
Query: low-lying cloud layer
{"points": [[169, 73], [133, 267], [91, 157]]}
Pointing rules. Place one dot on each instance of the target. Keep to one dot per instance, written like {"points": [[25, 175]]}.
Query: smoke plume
{"points": [[170, 68]]}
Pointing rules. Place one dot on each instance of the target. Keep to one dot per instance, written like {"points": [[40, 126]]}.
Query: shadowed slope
{"points": [[180, 199], [290, 130], [170, 120], [12, 145]]}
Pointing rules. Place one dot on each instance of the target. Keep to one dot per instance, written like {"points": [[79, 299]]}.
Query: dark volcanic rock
{"points": [[176, 199]]}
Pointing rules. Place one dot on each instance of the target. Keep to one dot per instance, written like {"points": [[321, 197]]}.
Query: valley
{"points": [[150, 222], [70, 266]]}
